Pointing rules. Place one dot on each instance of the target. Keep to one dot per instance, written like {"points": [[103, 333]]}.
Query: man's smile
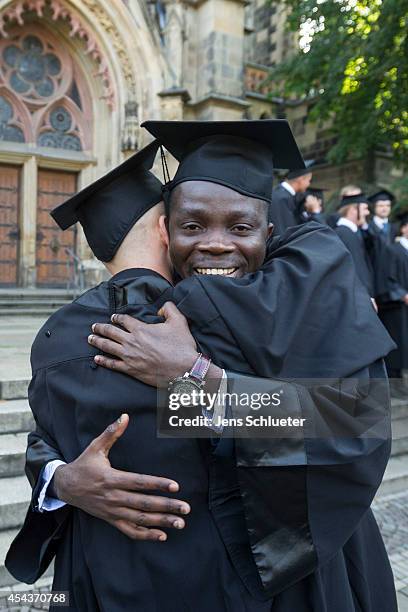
{"points": [[216, 271]]}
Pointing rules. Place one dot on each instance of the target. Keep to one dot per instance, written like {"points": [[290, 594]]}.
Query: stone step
{"points": [[10, 294], [15, 416], [399, 409], [14, 389], [395, 477], [6, 580], [14, 308], [12, 300], [6, 537], [12, 456], [399, 437], [40, 311], [14, 501]]}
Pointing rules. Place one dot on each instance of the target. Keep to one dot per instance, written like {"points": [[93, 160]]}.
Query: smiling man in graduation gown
{"points": [[305, 556]]}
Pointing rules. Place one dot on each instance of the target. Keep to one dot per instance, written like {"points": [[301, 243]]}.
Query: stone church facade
{"points": [[77, 77]]}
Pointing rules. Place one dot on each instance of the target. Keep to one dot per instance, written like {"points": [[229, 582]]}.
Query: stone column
{"points": [[28, 223], [218, 37]]}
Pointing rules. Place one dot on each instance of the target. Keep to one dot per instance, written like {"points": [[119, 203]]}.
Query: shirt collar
{"points": [[404, 242], [288, 187], [348, 223], [380, 222]]}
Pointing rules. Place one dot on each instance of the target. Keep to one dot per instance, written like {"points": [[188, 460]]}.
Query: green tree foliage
{"points": [[353, 64]]}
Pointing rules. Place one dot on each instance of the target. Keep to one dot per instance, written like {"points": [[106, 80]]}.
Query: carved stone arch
{"points": [[141, 45], [132, 43], [20, 117], [121, 41]]}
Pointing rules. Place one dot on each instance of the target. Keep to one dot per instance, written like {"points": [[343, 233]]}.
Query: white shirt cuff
{"points": [[218, 412], [44, 502]]}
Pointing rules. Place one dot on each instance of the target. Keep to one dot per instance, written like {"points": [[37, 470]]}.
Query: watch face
{"points": [[184, 386]]}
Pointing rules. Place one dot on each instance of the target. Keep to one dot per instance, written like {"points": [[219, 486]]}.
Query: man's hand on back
{"points": [[123, 499], [149, 352]]}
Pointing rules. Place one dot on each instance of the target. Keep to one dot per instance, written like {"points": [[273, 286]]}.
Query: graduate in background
{"points": [[353, 212], [310, 205], [347, 190], [284, 209], [381, 204], [394, 309]]}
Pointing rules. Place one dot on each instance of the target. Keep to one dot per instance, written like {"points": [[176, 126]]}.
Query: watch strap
{"points": [[200, 367]]}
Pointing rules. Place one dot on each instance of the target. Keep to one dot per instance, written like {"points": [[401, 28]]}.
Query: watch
{"points": [[192, 381]]}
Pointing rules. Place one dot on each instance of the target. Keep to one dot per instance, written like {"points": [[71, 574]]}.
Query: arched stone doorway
{"points": [[44, 102], [67, 76]]}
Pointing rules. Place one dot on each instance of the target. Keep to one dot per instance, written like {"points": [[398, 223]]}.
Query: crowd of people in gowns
{"points": [[375, 230]]}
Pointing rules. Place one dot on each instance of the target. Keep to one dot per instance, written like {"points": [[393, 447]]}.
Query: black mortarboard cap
{"points": [[316, 191], [108, 208], [360, 198], [382, 194], [238, 154], [296, 172], [403, 217]]}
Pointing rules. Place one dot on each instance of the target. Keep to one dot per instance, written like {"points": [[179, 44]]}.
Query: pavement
{"points": [[16, 336], [391, 513]]}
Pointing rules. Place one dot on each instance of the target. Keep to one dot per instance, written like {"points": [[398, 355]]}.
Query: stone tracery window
{"points": [[38, 73], [59, 132], [9, 126]]}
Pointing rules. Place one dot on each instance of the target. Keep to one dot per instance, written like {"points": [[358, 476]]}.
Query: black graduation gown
{"points": [[388, 234], [283, 210], [382, 259], [354, 241], [318, 568], [394, 312], [73, 401]]}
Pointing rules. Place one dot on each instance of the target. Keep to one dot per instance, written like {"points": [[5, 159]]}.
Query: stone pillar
{"points": [[173, 35], [172, 103], [219, 40], [28, 223]]}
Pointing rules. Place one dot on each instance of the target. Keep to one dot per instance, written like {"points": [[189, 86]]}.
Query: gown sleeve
{"points": [[305, 492]]}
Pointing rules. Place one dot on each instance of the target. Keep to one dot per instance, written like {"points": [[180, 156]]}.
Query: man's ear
{"points": [[163, 231], [270, 229]]}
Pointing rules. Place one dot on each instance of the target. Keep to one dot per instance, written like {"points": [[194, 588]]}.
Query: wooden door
{"points": [[9, 230], [55, 248]]}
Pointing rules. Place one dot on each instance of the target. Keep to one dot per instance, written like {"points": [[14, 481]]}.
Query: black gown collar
{"points": [[131, 273]]}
